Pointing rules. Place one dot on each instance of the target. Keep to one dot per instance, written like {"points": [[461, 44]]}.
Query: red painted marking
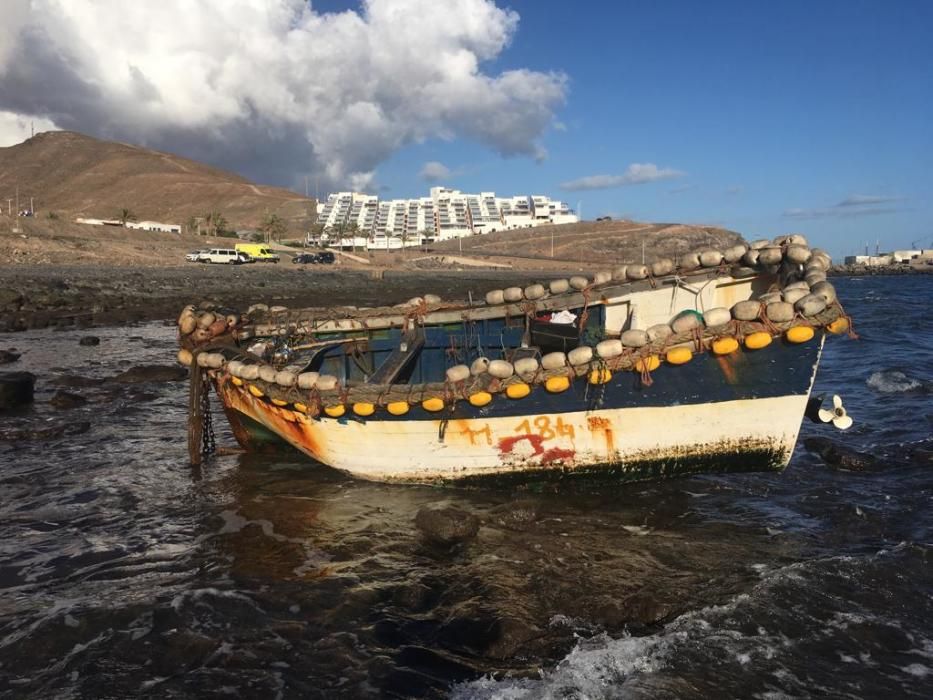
{"points": [[556, 454], [507, 444]]}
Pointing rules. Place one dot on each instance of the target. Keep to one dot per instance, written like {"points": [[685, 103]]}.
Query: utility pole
{"points": [[552, 240], [32, 209], [306, 186]]}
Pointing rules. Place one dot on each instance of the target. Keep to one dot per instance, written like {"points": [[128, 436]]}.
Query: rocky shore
{"points": [[87, 296]]}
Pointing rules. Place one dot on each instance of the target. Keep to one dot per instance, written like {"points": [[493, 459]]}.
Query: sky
{"points": [[765, 118]]}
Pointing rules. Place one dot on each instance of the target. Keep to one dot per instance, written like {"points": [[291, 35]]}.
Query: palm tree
{"points": [[274, 227], [125, 216]]}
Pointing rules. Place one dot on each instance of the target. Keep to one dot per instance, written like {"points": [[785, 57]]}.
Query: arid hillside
{"points": [[603, 242], [71, 175]]}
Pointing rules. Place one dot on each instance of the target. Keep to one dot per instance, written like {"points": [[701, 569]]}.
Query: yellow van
{"points": [[259, 252]]}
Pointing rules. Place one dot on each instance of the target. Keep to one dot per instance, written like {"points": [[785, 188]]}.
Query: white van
{"points": [[223, 255]]}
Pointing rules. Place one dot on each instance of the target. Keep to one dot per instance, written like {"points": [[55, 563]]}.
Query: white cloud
{"points": [[853, 206], [276, 89], [861, 200], [15, 128], [434, 171], [635, 174]]}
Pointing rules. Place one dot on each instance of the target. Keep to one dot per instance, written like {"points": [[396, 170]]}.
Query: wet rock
{"points": [[75, 382], [16, 389], [65, 399], [840, 456], [10, 298], [152, 373], [46, 432], [513, 635], [645, 608], [8, 356], [446, 526], [412, 596], [184, 650], [518, 515], [89, 340]]}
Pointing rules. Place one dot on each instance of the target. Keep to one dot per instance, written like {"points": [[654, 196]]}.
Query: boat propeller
{"points": [[837, 415]]}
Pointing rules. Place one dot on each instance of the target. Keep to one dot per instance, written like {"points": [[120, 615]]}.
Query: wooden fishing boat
{"points": [[643, 372]]}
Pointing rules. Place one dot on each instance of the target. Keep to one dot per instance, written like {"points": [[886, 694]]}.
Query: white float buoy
{"points": [[659, 331], [780, 311], [495, 297], [634, 338], [534, 291], [579, 282], [746, 310], [512, 294], [458, 373], [810, 304], [662, 267], [307, 380], [717, 317], [580, 355], [526, 367], [710, 258], [559, 286], [500, 369], [554, 360], [479, 366], [610, 348]]}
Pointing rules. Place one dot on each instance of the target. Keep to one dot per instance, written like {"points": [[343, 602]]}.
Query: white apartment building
{"points": [[444, 215]]}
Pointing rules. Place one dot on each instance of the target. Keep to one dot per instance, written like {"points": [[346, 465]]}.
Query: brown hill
{"points": [[602, 243], [75, 175]]}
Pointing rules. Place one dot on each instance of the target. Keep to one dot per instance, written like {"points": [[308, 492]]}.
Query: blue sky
{"points": [[763, 117], [793, 116]]}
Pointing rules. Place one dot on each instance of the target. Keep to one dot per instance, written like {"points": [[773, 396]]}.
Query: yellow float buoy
{"points": [[679, 356], [433, 405], [517, 391], [557, 384], [840, 325], [364, 408], [236, 381], [480, 398], [799, 334], [599, 376], [279, 402], [335, 411], [757, 340], [300, 407], [647, 364], [256, 391], [398, 408], [725, 346]]}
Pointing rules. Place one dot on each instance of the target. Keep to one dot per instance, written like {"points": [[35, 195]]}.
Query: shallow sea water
{"points": [[125, 572]]}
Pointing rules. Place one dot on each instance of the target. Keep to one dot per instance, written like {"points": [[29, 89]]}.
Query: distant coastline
{"points": [[864, 270]]}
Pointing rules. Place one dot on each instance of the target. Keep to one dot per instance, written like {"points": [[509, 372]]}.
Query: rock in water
{"points": [[8, 356], [65, 399], [89, 340], [16, 389], [152, 373], [841, 457], [446, 526]]}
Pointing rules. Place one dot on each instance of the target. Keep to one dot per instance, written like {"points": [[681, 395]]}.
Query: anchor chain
{"points": [[208, 443]]}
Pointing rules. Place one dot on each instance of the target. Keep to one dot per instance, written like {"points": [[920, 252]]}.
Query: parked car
{"points": [[195, 255], [325, 257], [257, 252], [223, 255]]}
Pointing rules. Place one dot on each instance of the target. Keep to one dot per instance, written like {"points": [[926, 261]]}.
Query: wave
{"points": [[893, 381]]}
